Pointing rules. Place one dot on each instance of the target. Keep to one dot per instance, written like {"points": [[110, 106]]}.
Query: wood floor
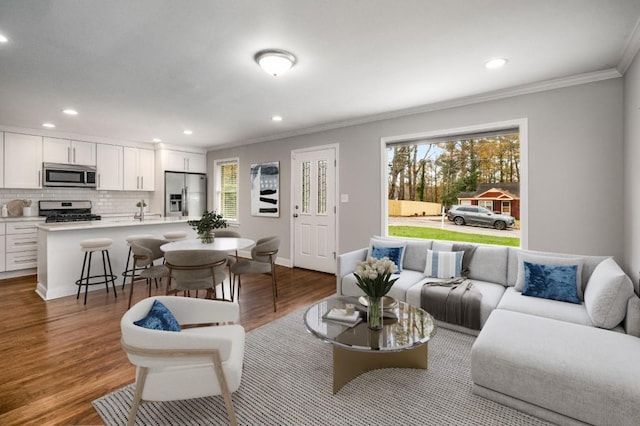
{"points": [[60, 355]]}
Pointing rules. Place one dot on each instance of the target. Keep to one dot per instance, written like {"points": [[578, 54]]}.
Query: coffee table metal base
{"points": [[349, 364]]}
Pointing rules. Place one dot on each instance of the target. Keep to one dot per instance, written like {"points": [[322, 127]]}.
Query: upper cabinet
{"points": [[139, 169], [1, 168], [66, 151], [22, 161], [110, 167], [178, 161]]}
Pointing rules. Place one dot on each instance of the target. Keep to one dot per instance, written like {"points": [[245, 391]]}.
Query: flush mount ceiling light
{"points": [[276, 118], [188, 132], [156, 140], [70, 111], [495, 63], [48, 125], [275, 61]]}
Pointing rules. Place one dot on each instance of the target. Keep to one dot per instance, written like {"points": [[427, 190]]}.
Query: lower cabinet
{"points": [[2, 251], [21, 245]]}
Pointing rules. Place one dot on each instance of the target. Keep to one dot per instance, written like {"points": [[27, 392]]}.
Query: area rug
{"points": [[287, 380]]}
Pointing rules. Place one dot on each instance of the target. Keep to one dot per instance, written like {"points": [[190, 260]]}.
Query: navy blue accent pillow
{"points": [[393, 253], [159, 318], [555, 282]]}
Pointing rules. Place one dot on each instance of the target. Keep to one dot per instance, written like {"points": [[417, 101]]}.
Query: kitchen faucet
{"points": [[140, 215]]}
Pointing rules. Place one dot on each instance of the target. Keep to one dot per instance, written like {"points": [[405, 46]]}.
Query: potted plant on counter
{"points": [[207, 223]]}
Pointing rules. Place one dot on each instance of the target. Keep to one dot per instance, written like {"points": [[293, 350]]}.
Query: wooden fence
{"points": [[413, 208]]}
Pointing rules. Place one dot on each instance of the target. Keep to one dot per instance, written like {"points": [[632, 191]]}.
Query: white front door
{"points": [[314, 208]]}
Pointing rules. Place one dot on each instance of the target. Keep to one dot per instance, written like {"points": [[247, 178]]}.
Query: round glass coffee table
{"points": [[402, 342]]}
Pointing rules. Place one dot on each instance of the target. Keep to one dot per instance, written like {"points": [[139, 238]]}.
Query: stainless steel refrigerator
{"points": [[185, 194]]}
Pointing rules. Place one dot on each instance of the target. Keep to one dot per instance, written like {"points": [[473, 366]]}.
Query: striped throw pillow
{"points": [[443, 264]]}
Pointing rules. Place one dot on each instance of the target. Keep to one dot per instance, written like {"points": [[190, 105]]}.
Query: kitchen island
{"points": [[60, 258]]}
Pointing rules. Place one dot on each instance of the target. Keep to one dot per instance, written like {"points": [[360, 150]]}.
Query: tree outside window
{"points": [[226, 192]]}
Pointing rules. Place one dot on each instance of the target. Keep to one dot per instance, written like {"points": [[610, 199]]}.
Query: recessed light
{"points": [[70, 111], [276, 118], [3, 38], [48, 125], [157, 140], [495, 63], [188, 132]]}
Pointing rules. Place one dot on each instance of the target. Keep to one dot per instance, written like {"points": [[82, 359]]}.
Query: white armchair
{"points": [[202, 360]]}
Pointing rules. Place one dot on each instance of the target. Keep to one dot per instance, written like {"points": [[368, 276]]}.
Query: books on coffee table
{"points": [[340, 316]]}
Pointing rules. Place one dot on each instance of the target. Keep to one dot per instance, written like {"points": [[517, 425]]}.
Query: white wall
{"points": [[632, 170], [575, 168]]}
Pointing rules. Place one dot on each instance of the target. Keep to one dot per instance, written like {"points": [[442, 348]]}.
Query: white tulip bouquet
{"points": [[373, 276]]}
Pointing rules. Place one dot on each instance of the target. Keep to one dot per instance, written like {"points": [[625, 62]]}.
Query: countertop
{"points": [[112, 222]]}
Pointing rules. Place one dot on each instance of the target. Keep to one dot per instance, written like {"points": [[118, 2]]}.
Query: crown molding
{"points": [[631, 49], [525, 89], [75, 136]]}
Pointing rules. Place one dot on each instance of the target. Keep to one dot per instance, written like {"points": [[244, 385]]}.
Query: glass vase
{"points": [[374, 313], [206, 237]]}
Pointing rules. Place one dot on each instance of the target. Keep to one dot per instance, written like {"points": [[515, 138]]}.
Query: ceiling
{"points": [[143, 69]]}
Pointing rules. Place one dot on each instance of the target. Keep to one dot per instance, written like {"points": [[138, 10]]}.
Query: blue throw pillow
{"points": [[159, 318], [555, 282], [393, 253]]}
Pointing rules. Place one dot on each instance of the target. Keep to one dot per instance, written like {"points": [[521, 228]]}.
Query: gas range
{"points": [[67, 211]]}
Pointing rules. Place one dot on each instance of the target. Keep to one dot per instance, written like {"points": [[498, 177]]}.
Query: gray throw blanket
{"points": [[454, 301]]}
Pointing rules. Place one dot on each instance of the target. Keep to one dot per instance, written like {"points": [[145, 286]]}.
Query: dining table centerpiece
{"points": [[373, 277], [206, 224]]}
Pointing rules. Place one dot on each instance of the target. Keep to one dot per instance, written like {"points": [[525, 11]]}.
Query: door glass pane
{"points": [[306, 186], [322, 187]]}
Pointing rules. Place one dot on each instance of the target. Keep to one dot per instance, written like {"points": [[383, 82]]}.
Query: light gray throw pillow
{"points": [[523, 256], [607, 294]]}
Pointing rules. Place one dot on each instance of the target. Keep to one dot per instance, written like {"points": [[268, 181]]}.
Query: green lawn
{"points": [[440, 234]]}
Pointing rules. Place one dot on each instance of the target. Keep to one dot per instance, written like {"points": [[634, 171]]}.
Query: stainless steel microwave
{"points": [[69, 175]]}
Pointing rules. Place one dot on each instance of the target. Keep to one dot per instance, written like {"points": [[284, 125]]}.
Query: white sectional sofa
{"points": [[570, 363]]}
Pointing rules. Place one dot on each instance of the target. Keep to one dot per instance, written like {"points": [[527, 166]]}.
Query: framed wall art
{"points": [[265, 189]]}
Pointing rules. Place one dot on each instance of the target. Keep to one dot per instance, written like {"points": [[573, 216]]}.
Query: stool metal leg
{"points": [[126, 268], [79, 282], [86, 287], [133, 278], [104, 269], [111, 276]]}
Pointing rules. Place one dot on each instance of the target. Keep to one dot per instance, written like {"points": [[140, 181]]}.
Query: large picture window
{"points": [[428, 176], [226, 188]]}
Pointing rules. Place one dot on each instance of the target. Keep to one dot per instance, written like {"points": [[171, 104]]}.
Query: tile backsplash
{"points": [[103, 202]]}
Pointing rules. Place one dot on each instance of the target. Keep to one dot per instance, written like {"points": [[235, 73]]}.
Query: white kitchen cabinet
{"points": [[2, 250], [2, 170], [178, 161], [21, 245], [22, 161], [139, 169], [110, 167], [66, 151]]}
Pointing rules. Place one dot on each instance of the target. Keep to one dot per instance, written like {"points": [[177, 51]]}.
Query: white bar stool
{"points": [[175, 236], [89, 247], [127, 272]]}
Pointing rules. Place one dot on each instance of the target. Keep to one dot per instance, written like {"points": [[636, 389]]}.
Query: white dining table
{"points": [[219, 243]]}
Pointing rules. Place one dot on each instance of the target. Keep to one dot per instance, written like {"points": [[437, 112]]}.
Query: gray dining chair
{"points": [[145, 252], [191, 270], [263, 256], [231, 259]]}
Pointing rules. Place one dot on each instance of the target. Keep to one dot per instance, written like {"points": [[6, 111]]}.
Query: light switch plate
{"points": [[344, 198]]}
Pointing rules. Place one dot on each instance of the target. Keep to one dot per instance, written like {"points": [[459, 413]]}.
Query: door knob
{"points": [[295, 215]]}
